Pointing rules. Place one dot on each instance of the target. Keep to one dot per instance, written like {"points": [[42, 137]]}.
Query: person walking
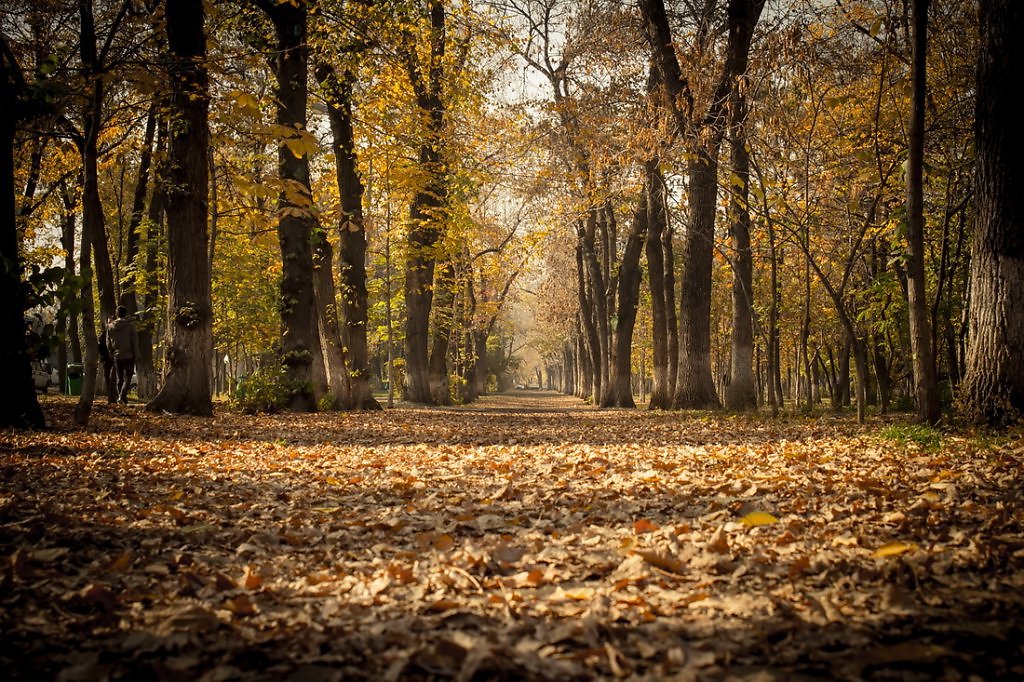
{"points": [[123, 344]]}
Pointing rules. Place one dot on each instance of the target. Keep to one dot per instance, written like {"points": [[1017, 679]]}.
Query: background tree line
{"points": [[732, 202]]}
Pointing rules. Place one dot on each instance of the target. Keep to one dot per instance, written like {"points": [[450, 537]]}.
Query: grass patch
{"points": [[926, 437]]}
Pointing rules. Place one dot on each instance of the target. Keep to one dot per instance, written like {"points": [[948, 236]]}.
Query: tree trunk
{"points": [[90, 344], [144, 366], [694, 383], [19, 406], [695, 386], [993, 387], [92, 212], [585, 383], [594, 277], [189, 347], [327, 321], [68, 222], [426, 212], [620, 389], [741, 393], [92, 122], [129, 298], [444, 314], [352, 240], [925, 387], [671, 318], [592, 384], [295, 222], [774, 355], [661, 396]]}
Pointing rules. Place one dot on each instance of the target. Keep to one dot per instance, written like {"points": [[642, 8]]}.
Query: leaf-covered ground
{"points": [[528, 537]]}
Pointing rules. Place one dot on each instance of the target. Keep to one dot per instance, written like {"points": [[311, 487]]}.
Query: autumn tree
{"points": [[190, 344], [993, 388], [702, 125], [426, 72], [352, 239], [300, 333], [925, 388]]}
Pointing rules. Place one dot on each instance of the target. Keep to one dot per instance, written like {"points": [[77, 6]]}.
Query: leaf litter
{"points": [[522, 538]]}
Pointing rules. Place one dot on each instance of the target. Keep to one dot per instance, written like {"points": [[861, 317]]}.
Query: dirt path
{"points": [[528, 536]]}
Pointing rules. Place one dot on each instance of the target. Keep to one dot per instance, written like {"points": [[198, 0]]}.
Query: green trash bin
{"points": [[74, 378]]}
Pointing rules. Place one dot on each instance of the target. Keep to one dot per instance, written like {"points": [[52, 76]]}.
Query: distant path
{"points": [[526, 401]]}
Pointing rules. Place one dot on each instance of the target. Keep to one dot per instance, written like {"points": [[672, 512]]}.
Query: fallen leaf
{"points": [[758, 518], [894, 549]]}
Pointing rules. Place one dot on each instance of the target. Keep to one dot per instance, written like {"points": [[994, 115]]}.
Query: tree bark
{"points": [[993, 387], [925, 386], [352, 241], [295, 221], [591, 335], [19, 406], [703, 133], [144, 366], [128, 297], [695, 386], [189, 347], [620, 388], [741, 393], [444, 318], [427, 209], [661, 395]]}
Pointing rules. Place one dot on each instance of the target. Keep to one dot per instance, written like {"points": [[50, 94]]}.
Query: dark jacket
{"points": [[123, 339]]}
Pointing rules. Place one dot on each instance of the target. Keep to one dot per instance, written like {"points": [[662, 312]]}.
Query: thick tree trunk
{"points": [[695, 387], [426, 212], [703, 131], [295, 202], [19, 406], [925, 386], [189, 348], [419, 298], [993, 387]]}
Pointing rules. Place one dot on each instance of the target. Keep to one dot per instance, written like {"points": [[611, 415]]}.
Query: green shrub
{"points": [[265, 390]]}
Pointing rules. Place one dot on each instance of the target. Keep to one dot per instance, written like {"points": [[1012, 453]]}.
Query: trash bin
{"points": [[74, 378]]}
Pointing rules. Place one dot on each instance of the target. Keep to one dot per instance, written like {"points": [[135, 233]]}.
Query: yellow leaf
{"points": [[758, 518], [894, 549]]}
